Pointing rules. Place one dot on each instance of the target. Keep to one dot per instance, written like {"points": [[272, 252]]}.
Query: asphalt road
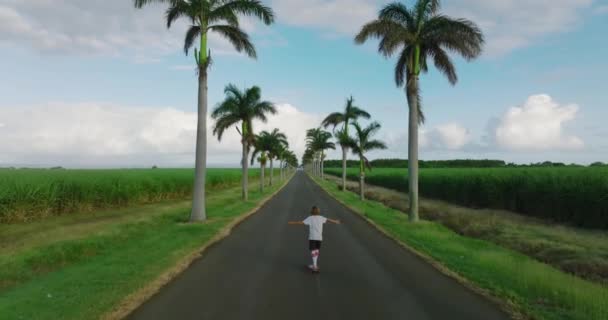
{"points": [[259, 272]]}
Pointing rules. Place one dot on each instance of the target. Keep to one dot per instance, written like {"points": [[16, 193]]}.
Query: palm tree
{"points": [[262, 143], [351, 112], [362, 144], [278, 140], [281, 151], [241, 107], [308, 158], [416, 35], [318, 141], [291, 161], [220, 16]]}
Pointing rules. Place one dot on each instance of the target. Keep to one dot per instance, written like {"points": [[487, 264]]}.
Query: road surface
{"points": [[259, 272]]}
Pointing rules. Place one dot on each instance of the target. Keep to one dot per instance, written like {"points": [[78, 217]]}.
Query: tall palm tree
{"points": [[351, 112], [241, 107], [318, 141], [262, 144], [416, 35], [220, 16], [360, 145], [282, 152], [278, 141], [308, 158], [290, 159]]}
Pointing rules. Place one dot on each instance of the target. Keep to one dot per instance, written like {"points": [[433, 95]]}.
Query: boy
{"points": [[315, 233]]}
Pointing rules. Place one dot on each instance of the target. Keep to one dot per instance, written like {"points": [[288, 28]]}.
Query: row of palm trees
{"points": [[417, 35], [240, 109], [317, 141]]}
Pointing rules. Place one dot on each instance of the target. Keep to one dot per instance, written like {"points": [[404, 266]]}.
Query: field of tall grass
{"points": [[529, 287], [573, 195], [30, 194]]}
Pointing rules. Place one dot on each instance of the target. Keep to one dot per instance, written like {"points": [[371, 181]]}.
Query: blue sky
{"points": [[103, 84]]}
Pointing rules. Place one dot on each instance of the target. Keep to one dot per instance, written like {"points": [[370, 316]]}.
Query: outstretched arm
{"points": [[295, 222], [333, 221]]}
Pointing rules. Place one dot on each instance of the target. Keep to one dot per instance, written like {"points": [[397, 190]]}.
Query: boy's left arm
{"points": [[295, 222]]}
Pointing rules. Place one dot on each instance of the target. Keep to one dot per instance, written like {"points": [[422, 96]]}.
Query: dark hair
{"points": [[315, 211]]}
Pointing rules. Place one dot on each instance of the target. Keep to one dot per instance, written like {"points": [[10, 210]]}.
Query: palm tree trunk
{"points": [[343, 169], [245, 177], [362, 186], [271, 171], [412, 92], [262, 169], [200, 168], [319, 168], [322, 166], [361, 180]]}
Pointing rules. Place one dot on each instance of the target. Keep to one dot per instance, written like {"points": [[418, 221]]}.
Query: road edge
{"points": [[133, 301], [508, 307]]}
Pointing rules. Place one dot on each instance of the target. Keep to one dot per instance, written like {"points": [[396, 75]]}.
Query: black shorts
{"points": [[314, 245]]}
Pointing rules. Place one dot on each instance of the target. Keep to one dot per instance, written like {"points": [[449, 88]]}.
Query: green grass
{"points": [[84, 271], [535, 289], [31, 194], [575, 195], [579, 251]]}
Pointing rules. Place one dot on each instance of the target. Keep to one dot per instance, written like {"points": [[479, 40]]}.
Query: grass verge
{"points": [[578, 251], [531, 288], [91, 276]]}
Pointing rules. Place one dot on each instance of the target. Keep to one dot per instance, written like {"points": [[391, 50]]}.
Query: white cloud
{"points": [[450, 136], [513, 24], [537, 125], [338, 17], [507, 24], [109, 27], [113, 27], [601, 10], [93, 134], [184, 67]]}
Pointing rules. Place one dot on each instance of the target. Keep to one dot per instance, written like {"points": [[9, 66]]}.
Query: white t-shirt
{"points": [[315, 227]]}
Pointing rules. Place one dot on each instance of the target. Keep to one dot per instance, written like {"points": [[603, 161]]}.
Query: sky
{"points": [[102, 84]]}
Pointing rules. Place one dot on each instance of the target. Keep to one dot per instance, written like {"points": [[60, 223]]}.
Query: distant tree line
{"points": [[456, 163], [402, 163]]}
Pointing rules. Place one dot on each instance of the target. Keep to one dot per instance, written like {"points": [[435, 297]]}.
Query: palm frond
{"points": [[402, 66], [399, 13], [458, 35], [141, 3], [262, 108], [232, 90], [356, 112], [248, 8], [444, 64], [333, 119], [425, 9], [382, 28], [371, 129], [375, 145], [177, 10], [191, 35], [223, 123], [238, 38]]}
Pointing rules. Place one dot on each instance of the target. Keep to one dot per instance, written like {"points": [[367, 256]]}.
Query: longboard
{"points": [[313, 270]]}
